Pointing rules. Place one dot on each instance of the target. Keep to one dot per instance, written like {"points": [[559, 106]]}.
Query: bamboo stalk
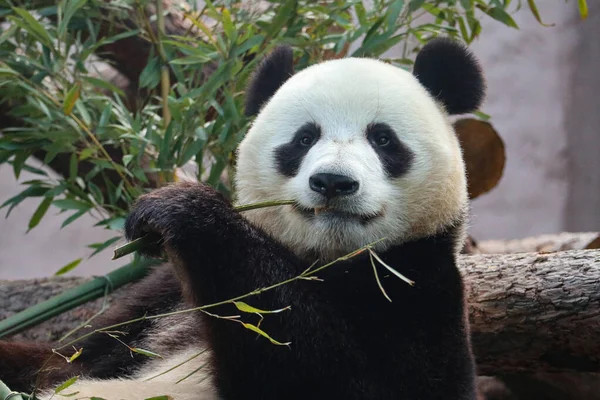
{"points": [[146, 240], [7, 394], [74, 297]]}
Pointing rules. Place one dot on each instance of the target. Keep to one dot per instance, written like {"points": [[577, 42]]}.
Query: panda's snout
{"points": [[333, 185]]}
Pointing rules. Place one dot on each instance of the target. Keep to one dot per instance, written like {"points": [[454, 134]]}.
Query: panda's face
{"points": [[365, 152]]}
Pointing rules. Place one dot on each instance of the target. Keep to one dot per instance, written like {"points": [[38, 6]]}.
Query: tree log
{"points": [[535, 312], [542, 243]]}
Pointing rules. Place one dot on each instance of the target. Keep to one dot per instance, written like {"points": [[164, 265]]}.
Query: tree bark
{"points": [[535, 312], [542, 243]]}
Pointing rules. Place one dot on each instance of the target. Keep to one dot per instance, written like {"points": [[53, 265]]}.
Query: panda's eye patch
{"points": [[394, 155], [289, 156]]}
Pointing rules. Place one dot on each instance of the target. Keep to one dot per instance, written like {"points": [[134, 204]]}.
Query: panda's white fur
{"points": [[343, 97]]}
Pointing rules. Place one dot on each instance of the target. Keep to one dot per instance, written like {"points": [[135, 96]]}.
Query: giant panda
{"points": [[366, 151]]}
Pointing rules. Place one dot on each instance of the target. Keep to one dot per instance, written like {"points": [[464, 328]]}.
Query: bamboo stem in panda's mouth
{"points": [[146, 240]]}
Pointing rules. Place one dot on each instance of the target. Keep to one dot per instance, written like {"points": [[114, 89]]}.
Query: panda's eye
{"points": [[306, 140], [382, 140]]}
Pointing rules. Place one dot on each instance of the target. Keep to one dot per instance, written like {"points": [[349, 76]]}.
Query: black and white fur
{"points": [[367, 151]]}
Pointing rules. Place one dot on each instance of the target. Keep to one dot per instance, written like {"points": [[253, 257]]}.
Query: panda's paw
{"points": [[175, 212]]}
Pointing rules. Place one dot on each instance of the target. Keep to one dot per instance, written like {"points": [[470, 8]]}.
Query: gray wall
{"points": [[543, 85]]}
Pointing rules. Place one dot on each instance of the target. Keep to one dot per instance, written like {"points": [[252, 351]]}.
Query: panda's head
{"points": [[364, 148]]}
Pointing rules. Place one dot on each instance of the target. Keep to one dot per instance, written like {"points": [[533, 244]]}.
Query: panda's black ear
{"points": [[451, 74], [272, 72]]}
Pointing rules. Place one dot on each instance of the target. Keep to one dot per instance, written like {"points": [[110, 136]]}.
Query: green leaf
{"points": [[70, 10], [240, 305], [467, 4], [228, 26], [31, 25], [70, 204], [191, 151], [71, 98], [73, 167], [500, 15], [165, 397], [40, 212], [536, 12], [70, 266], [86, 153], [9, 144], [73, 218], [102, 84], [147, 353], [256, 329], [255, 40], [195, 59], [414, 5], [393, 13], [75, 355], [66, 384], [101, 246], [583, 8], [150, 75]]}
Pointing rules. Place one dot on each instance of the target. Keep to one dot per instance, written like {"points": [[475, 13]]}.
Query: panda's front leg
{"points": [[216, 252], [218, 255]]}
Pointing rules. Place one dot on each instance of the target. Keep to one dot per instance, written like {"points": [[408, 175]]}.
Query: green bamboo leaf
{"points": [[19, 161], [194, 59], [66, 384], [228, 26], [414, 5], [73, 167], [101, 246], [165, 397], [102, 84], [86, 153], [147, 353], [75, 355], [70, 266], [150, 75], [73, 218], [393, 13], [31, 25], [467, 4], [255, 40], [8, 33], [583, 8], [10, 144], [500, 15], [71, 98], [39, 212], [244, 307], [191, 151], [536, 12], [71, 204], [70, 10], [256, 329]]}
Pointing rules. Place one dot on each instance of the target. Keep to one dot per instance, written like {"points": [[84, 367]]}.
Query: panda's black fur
{"points": [[347, 340]]}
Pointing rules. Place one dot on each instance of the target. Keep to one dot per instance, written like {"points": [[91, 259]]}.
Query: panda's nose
{"points": [[332, 185]]}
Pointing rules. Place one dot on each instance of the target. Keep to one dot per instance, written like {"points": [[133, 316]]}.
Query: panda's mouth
{"points": [[335, 213]]}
